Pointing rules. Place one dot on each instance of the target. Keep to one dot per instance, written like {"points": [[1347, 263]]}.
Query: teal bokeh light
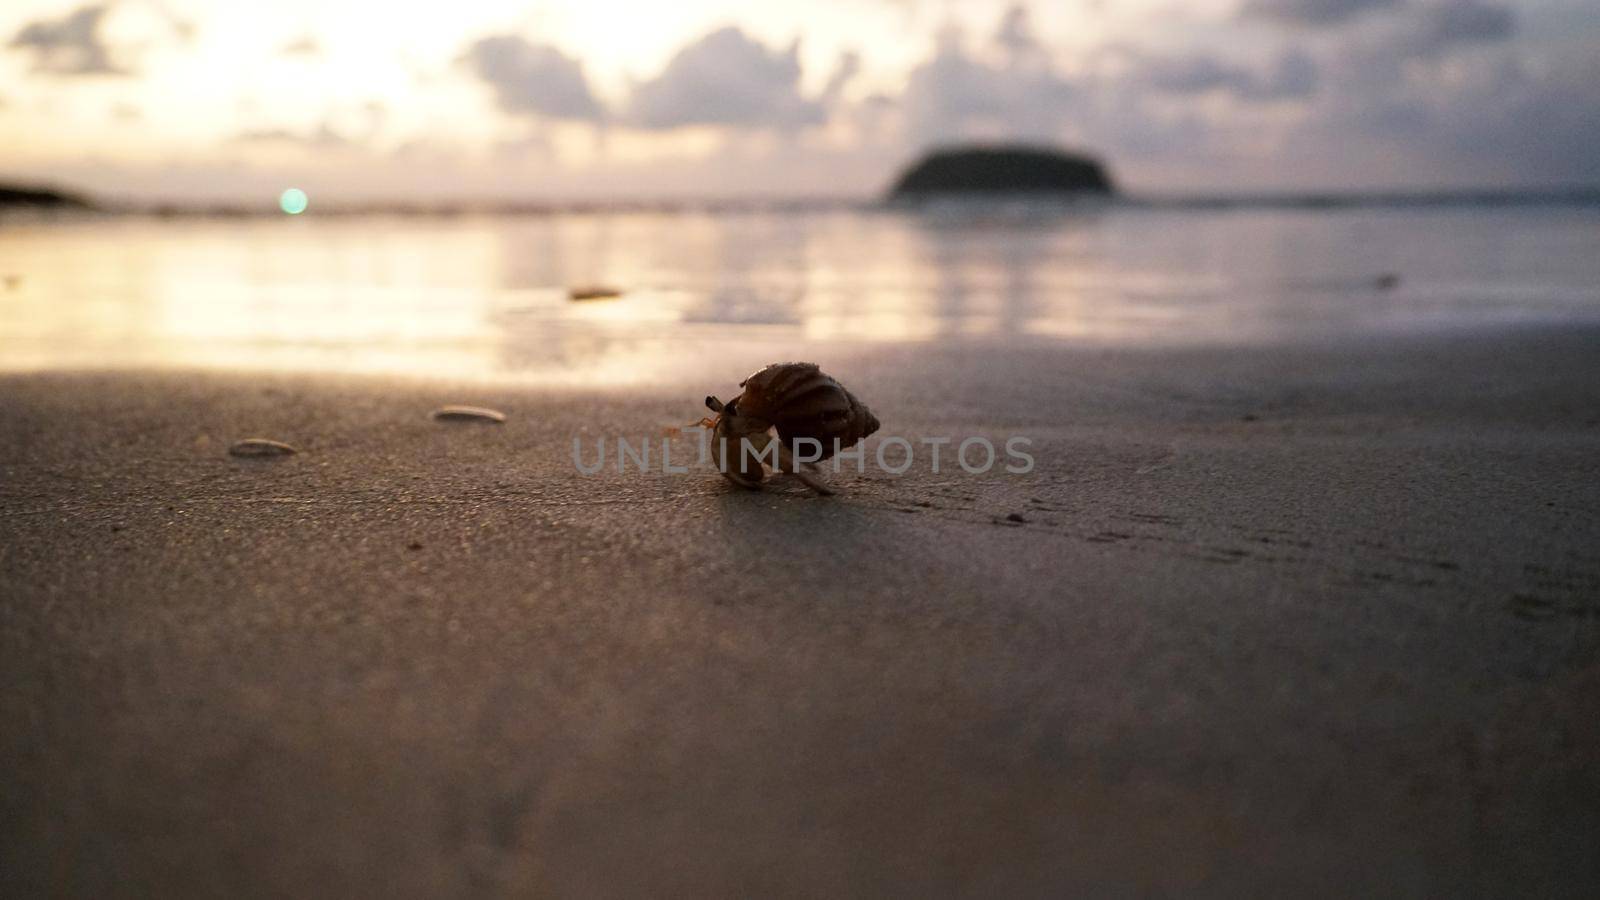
{"points": [[293, 201]]}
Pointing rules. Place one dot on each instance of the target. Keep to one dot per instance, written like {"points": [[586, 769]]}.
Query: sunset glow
{"points": [[182, 99]]}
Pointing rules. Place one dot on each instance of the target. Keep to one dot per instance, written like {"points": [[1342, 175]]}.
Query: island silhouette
{"points": [[13, 195], [1001, 169]]}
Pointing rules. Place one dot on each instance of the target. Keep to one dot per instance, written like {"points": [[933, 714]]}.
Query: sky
{"points": [[560, 100]]}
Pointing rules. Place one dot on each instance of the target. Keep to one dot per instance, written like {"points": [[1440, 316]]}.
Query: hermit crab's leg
{"points": [[787, 461], [723, 445]]}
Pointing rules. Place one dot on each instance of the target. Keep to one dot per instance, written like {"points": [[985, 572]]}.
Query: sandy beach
{"points": [[1305, 617]]}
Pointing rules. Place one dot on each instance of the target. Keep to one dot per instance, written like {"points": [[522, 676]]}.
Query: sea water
{"points": [[489, 295]]}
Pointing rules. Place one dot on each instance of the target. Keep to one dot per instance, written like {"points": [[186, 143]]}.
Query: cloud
{"points": [[70, 45], [182, 29], [533, 79], [726, 78], [1382, 62], [958, 94], [323, 137], [1351, 93], [1294, 75], [1313, 12]]}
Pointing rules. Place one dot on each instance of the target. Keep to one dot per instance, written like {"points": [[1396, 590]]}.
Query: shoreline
{"points": [[1575, 196], [720, 358]]}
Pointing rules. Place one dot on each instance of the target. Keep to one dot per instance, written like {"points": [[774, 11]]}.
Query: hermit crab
{"points": [[800, 403]]}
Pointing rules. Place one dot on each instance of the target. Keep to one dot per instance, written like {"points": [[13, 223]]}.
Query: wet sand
{"points": [[1320, 618]]}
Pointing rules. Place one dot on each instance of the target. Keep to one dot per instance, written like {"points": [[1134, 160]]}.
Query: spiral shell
{"points": [[801, 401]]}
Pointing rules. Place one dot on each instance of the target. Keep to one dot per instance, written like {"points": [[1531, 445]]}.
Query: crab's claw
{"points": [[714, 404]]}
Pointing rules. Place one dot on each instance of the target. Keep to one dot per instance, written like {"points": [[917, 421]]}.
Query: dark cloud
{"points": [[726, 78], [1015, 34], [1542, 126], [1429, 22], [70, 45], [1383, 62], [1313, 12], [1430, 90], [1439, 92], [848, 66], [1492, 118], [1456, 22], [1196, 74], [533, 79], [1293, 76]]}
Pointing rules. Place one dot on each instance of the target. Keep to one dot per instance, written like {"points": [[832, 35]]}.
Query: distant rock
{"points": [[1002, 169], [12, 195]]}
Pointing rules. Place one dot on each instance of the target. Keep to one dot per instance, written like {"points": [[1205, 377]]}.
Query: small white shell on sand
{"points": [[468, 414], [260, 447]]}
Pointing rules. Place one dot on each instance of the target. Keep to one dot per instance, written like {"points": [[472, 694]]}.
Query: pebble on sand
{"points": [[594, 292], [260, 447], [469, 414]]}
